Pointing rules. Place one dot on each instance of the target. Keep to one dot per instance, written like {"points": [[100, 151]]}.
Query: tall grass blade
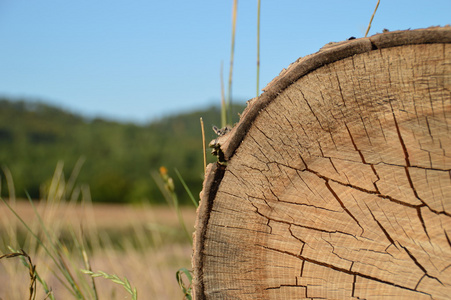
{"points": [[185, 186], [39, 241], [82, 249], [114, 278], [232, 55], [10, 225], [56, 247], [56, 189], [223, 100], [169, 191], [51, 252], [187, 291], [258, 46], [10, 183], [31, 269], [203, 143], [69, 188], [372, 17]]}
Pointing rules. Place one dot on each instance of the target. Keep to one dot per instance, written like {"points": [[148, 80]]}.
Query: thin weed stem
{"points": [[223, 100], [232, 55], [53, 252], [114, 278], [169, 187], [371, 20], [31, 268], [185, 186], [70, 185], [56, 247], [258, 46], [10, 184], [203, 144], [82, 248]]}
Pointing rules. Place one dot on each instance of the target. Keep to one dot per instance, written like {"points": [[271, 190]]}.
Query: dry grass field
{"points": [[144, 244]]}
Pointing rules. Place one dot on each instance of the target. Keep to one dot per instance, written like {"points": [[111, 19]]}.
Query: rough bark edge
{"points": [[228, 143], [330, 53], [213, 176]]}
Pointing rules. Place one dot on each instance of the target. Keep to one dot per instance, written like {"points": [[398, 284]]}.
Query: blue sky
{"points": [[140, 60]]}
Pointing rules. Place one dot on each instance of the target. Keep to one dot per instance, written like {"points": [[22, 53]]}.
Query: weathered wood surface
{"points": [[337, 182]]}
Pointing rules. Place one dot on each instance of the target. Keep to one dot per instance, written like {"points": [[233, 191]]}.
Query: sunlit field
{"points": [[144, 244]]}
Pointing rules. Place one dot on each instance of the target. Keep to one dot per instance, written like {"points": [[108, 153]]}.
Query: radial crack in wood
{"points": [[336, 184]]}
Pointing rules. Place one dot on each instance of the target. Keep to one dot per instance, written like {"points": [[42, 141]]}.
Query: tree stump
{"points": [[335, 183]]}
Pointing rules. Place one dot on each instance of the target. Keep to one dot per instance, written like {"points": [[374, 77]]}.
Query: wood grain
{"points": [[337, 183]]}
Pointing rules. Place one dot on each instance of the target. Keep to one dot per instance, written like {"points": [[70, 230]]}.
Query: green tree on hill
{"points": [[119, 157]]}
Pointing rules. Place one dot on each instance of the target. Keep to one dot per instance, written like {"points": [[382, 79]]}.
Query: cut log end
{"points": [[337, 183]]}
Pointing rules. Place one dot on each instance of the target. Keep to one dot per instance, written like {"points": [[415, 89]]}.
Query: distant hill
{"points": [[118, 157]]}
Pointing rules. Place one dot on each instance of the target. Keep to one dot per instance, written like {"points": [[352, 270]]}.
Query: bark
{"points": [[336, 181]]}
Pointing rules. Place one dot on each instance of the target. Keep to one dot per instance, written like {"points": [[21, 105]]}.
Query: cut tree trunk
{"points": [[335, 184]]}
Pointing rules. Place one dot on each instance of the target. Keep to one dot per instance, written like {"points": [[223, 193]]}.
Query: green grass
{"points": [[58, 246], [114, 278], [26, 261]]}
